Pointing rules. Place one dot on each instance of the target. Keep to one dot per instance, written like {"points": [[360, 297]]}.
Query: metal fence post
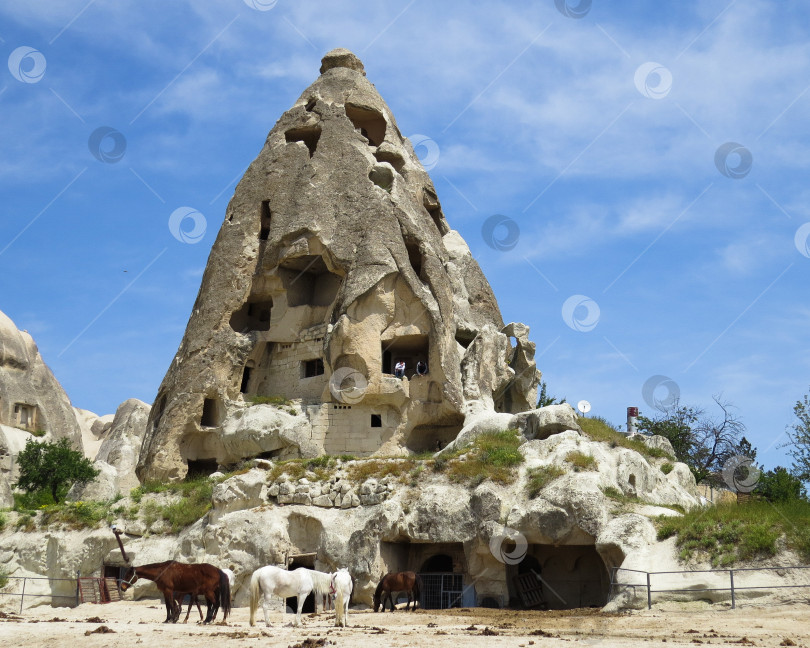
{"points": [[78, 573], [731, 574], [22, 596], [649, 593]]}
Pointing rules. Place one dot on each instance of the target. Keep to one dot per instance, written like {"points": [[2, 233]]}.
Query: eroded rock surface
{"points": [[334, 262], [31, 402]]}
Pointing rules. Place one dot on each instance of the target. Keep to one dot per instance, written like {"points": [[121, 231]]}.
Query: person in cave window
{"points": [[399, 369], [421, 368]]}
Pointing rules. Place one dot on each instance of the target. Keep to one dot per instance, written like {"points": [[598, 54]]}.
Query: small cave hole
{"points": [[438, 219], [376, 420], [266, 215], [211, 415], [465, 337], [414, 257], [245, 380], [392, 157], [310, 104], [309, 135], [199, 467], [383, 176], [253, 316], [368, 122]]}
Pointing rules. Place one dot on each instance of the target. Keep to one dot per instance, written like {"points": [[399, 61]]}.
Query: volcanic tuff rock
{"points": [[31, 400], [335, 261], [572, 530], [118, 454]]}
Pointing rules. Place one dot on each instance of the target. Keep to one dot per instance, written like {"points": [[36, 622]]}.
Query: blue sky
{"points": [[645, 164]]}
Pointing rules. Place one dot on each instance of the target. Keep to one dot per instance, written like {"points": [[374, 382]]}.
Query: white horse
{"points": [[274, 581], [342, 587]]}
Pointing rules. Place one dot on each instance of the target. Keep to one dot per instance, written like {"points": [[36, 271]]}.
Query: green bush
{"points": [[539, 478], [667, 468], [53, 467], [778, 485], [2, 520], [3, 578]]}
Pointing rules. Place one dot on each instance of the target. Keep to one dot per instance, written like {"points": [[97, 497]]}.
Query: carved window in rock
{"points": [[409, 349], [245, 379], [368, 122], [309, 135], [312, 368], [252, 316], [376, 420], [25, 415], [308, 282], [212, 413], [266, 216]]}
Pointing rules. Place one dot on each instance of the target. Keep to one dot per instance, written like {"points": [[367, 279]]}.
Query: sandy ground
{"points": [[130, 623]]}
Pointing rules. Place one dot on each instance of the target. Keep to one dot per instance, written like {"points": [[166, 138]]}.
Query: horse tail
{"points": [[339, 599], [351, 594], [224, 594], [254, 596]]}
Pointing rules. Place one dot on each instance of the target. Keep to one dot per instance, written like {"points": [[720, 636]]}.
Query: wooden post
{"points": [[731, 574], [649, 593], [22, 596]]}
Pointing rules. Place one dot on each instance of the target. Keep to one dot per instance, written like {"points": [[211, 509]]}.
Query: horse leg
{"points": [[408, 606], [390, 600], [168, 597], [169, 606], [266, 610], [300, 605]]}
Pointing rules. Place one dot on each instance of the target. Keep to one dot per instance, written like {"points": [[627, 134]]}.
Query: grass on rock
{"points": [[494, 456], [732, 532], [539, 478], [581, 461], [598, 429]]}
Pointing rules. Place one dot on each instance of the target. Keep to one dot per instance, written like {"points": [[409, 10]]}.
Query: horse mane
{"points": [[378, 591], [321, 581]]}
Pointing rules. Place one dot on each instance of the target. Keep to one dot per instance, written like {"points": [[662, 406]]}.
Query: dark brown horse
{"points": [[407, 582], [173, 578]]}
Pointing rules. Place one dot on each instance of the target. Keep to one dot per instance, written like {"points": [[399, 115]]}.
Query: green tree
{"points": [[702, 442], [53, 468], [778, 485], [799, 434], [544, 400]]}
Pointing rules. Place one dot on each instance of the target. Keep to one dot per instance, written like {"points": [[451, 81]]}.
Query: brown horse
{"points": [[407, 582], [173, 578]]}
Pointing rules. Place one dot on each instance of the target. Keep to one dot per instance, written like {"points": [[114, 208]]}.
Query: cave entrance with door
{"points": [[558, 578], [441, 566], [294, 562]]}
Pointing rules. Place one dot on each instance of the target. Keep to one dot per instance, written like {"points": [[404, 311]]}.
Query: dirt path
{"points": [[139, 623]]}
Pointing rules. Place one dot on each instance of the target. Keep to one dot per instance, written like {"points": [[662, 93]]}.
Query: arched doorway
{"points": [[438, 564]]}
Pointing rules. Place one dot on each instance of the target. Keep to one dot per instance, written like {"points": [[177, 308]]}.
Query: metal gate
{"points": [[442, 591]]}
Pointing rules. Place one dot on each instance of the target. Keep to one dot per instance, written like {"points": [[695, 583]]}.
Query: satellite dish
{"points": [[584, 406]]}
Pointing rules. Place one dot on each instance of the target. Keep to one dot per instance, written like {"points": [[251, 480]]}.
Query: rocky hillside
{"points": [[488, 507]]}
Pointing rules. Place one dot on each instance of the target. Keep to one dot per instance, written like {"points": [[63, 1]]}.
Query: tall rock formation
{"points": [[334, 262], [31, 401]]}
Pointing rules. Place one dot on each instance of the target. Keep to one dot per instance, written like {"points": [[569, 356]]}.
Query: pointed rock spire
{"points": [[334, 263]]}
